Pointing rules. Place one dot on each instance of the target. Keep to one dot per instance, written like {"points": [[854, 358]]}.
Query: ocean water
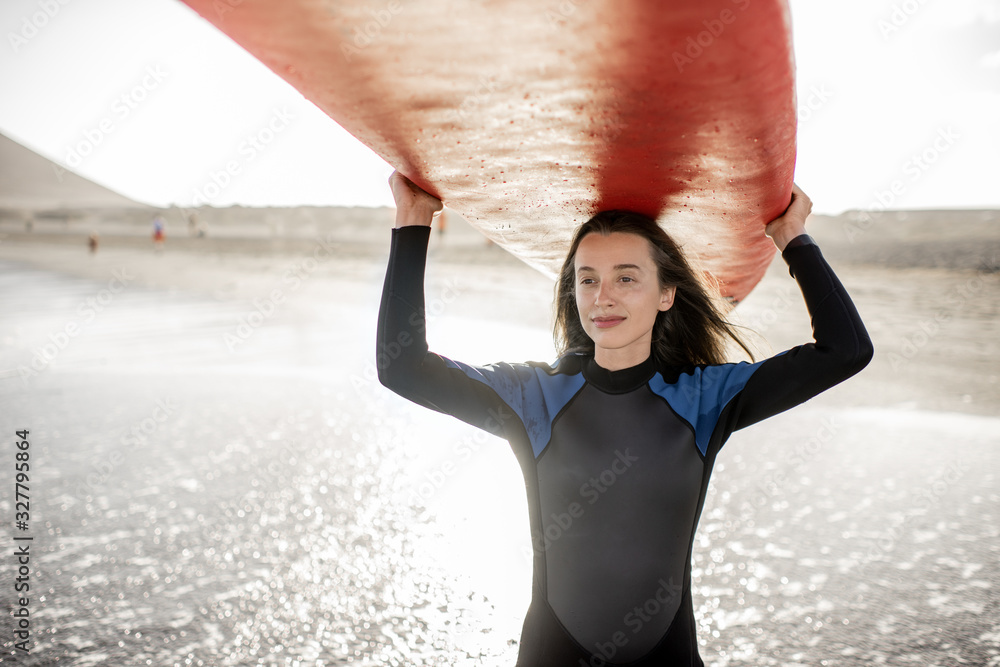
{"points": [[201, 497]]}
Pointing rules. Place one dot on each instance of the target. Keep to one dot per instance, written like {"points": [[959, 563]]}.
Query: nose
{"points": [[603, 298]]}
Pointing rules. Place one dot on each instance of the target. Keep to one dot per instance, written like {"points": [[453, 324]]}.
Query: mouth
{"points": [[607, 322]]}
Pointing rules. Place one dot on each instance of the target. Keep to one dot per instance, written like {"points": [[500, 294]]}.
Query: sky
{"points": [[899, 102]]}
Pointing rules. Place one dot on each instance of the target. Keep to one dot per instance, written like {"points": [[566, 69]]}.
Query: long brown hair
{"points": [[693, 331]]}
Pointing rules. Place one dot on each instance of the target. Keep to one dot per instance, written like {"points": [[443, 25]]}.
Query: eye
{"points": [[586, 281], [627, 279]]}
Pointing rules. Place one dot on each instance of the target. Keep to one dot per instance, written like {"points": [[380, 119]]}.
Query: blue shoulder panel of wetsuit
{"points": [[534, 393], [700, 397]]}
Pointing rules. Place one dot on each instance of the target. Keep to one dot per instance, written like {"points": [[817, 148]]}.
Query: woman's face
{"points": [[618, 295]]}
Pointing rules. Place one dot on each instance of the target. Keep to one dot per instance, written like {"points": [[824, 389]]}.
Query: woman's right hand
{"points": [[413, 205], [792, 222]]}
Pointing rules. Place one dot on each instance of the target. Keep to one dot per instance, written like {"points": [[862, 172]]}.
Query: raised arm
{"points": [[404, 363], [841, 345]]}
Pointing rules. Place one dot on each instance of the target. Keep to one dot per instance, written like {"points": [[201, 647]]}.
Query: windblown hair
{"points": [[693, 331]]}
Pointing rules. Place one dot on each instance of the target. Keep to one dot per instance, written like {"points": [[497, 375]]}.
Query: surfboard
{"points": [[528, 117]]}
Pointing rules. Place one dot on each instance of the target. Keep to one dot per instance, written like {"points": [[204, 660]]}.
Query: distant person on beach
{"points": [[196, 227], [617, 438], [92, 242], [158, 232]]}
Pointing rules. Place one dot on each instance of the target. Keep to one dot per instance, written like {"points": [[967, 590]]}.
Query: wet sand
{"points": [[218, 479]]}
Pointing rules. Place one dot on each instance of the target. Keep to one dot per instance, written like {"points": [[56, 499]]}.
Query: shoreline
{"points": [[936, 329]]}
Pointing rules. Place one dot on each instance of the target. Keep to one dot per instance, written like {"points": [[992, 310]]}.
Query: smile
{"points": [[607, 322]]}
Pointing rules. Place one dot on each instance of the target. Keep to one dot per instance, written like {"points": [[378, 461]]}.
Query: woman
{"points": [[617, 439]]}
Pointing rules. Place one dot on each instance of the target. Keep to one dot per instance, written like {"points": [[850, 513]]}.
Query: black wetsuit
{"points": [[615, 463]]}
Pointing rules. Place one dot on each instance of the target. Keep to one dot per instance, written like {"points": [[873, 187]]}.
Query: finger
{"points": [[799, 195]]}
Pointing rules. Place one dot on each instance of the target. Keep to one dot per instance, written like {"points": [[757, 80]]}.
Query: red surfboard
{"points": [[528, 117]]}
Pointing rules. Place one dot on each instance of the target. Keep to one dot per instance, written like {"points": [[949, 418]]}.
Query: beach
{"points": [[218, 478]]}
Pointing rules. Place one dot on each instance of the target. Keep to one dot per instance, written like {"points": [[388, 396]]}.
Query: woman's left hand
{"points": [[792, 222], [414, 207]]}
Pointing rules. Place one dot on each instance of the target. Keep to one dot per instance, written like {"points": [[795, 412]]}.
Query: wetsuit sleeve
{"points": [[840, 349], [407, 367]]}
